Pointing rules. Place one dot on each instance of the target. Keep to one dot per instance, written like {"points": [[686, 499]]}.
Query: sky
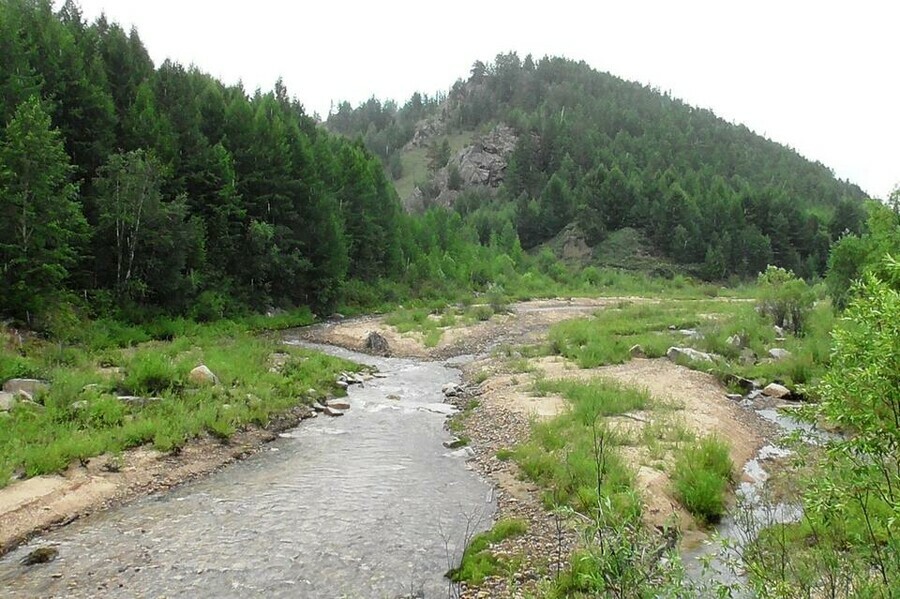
{"points": [[821, 77]]}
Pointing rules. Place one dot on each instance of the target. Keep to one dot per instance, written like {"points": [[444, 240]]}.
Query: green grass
{"points": [[702, 478], [415, 163], [80, 416], [478, 562], [561, 454]]}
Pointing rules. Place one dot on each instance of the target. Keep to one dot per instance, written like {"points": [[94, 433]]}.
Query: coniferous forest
{"points": [[129, 187]]}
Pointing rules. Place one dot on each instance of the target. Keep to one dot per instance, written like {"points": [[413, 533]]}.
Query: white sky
{"points": [[822, 77]]}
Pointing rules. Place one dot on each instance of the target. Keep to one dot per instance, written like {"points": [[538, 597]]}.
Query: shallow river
{"points": [[366, 505]]}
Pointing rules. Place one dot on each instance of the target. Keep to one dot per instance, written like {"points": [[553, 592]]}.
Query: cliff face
{"points": [[481, 164]]}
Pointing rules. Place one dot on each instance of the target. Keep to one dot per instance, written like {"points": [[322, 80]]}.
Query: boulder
{"points": [[338, 404], [777, 391], [336, 316], [779, 332], [636, 351], [342, 384], [318, 407], [376, 343], [329, 411], [688, 353], [691, 333], [777, 353], [394, 397], [455, 443], [29, 386], [734, 396], [202, 375], [7, 401]]}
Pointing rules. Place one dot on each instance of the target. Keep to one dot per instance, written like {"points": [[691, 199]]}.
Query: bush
{"points": [[151, 372], [702, 475], [784, 298], [477, 561]]}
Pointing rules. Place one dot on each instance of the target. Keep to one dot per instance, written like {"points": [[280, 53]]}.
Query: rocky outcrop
{"points": [[481, 164]]}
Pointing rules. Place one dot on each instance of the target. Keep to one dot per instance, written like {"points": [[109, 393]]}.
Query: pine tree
{"points": [[41, 223]]}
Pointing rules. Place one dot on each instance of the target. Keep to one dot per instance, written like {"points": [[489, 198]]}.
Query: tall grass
{"points": [[702, 476]]}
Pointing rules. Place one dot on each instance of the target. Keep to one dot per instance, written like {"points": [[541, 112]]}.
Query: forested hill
{"points": [[607, 154], [130, 185]]}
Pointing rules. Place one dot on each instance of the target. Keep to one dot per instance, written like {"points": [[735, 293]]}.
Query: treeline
{"points": [[606, 154], [132, 185]]}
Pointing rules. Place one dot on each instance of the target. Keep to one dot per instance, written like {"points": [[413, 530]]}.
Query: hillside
{"points": [[557, 143]]}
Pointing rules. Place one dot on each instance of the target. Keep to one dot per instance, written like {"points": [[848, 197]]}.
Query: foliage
{"points": [[702, 476], [784, 298], [477, 561]]}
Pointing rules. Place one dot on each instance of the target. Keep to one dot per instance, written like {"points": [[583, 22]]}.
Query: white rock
{"points": [[202, 375], [777, 353], [689, 353], [29, 386], [7, 401], [777, 391]]}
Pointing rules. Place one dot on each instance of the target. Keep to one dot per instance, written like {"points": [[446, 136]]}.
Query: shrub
{"points": [[151, 372], [784, 298], [702, 475]]}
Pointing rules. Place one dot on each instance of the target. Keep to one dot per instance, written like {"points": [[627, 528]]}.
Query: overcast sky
{"points": [[821, 77]]}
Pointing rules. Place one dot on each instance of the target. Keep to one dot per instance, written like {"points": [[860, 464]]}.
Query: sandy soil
{"points": [[31, 506]]}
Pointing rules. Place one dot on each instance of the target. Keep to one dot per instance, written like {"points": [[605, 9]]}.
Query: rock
{"points": [[311, 391], [455, 443], [464, 452], [27, 403], [7, 401], [688, 353], [394, 397], [777, 391], [202, 375], [735, 341], [376, 343], [451, 389], [318, 407], [337, 316], [747, 357], [41, 555], [779, 332], [734, 396], [329, 411], [691, 333], [339, 404], [81, 404], [777, 353], [637, 351], [136, 400], [342, 384], [29, 386]]}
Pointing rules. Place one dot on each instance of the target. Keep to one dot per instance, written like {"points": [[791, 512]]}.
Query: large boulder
{"points": [[688, 353], [777, 391], [484, 162], [377, 344], [29, 386], [202, 375]]}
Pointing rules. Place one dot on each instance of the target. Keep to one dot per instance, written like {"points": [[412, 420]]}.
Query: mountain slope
{"points": [[602, 153]]}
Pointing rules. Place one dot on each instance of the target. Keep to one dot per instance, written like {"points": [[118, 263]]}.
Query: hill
{"points": [[556, 143]]}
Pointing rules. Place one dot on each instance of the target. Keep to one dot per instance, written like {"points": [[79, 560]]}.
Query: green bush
{"points": [[702, 476], [151, 372], [784, 298]]}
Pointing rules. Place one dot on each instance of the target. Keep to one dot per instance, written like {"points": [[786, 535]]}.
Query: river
{"points": [[369, 504]]}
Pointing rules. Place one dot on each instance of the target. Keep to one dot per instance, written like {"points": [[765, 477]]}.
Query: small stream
{"points": [[737, 530], [369, 504]]}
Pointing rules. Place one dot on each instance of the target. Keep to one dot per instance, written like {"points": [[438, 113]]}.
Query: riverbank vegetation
{"points": [[105, 398]]}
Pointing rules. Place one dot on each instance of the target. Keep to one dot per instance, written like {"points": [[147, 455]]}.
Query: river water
{"points": [[369, 504]]}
